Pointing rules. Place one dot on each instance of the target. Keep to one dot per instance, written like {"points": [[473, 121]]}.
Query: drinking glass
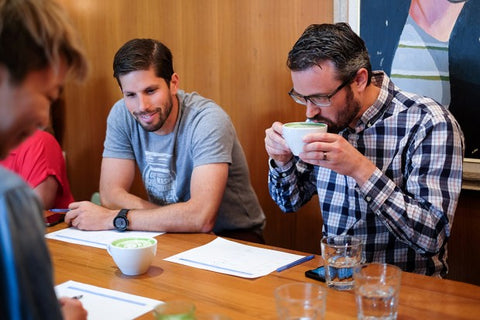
{"points": [[377, 287], [300, 301], [175, 310], [341, 255]]}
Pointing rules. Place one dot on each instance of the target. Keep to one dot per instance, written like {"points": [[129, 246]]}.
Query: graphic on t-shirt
{"points": [[159, 178]]}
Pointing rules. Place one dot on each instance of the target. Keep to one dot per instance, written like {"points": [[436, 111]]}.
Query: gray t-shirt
{"points": [[203, 134], [26, 274]]}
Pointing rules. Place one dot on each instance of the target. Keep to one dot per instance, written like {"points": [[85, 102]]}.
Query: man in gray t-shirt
{"points": [[186, 149]]}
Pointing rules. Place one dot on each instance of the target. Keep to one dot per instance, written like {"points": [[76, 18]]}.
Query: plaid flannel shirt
{"points": [[404, 212]]}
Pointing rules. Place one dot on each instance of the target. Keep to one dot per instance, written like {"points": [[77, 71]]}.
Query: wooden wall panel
{"points": [[231, 51], [463, 251]]}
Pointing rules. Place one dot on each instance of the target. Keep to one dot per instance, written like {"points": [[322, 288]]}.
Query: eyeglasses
{"points": [[320, 100]]}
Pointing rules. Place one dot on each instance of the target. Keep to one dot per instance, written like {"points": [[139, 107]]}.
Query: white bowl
{"points": [[133, 256]]}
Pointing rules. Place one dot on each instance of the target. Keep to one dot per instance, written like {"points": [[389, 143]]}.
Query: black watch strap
{"points": [[120, 222]]}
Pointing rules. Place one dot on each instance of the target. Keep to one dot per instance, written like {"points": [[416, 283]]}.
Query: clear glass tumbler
{"points": [[377, 286], [300, 301], [341, 254]]}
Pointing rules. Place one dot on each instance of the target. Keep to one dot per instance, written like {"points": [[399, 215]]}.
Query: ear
{"points": [[361, 79], [174, 84]]}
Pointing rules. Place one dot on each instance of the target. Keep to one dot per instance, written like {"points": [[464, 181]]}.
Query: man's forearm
{"points": [[176, 217], [124, 199]]}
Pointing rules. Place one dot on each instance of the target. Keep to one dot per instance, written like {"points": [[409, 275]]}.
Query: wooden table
{"points": [[421, 297]]}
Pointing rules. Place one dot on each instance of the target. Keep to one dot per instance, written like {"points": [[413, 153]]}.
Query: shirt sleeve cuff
{"points": [[273, 165], [377, 189], [280, 171]]}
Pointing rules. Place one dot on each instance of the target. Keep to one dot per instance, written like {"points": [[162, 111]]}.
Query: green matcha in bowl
{"points": [[133, 256], [293, 133]]}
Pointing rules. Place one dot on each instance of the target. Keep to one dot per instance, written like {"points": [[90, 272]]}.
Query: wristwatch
{"points": [[121, 222]]}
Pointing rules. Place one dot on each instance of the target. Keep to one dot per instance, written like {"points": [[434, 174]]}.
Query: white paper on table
{"points": [[234, 258], [102, 303], [99, 239]]}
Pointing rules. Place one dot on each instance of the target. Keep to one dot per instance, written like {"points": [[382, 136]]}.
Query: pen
{"points": [[78, 297], [296, 262], [59, 210]]}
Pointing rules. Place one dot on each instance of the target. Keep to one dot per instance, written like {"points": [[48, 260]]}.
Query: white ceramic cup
{"points": [[293, 133], [133, 256]]}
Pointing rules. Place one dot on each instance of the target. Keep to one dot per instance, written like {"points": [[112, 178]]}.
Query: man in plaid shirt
{"points": [[390, 169]]}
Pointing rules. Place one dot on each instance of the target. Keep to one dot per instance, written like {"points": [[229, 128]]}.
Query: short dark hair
{"points": [[330, 42], [36, 34], [141, 54]]}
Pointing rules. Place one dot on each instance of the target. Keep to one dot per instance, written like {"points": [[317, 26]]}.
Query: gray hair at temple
{"points": [[330, 42], [36, 34]]}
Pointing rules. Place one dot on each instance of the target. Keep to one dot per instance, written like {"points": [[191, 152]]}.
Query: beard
{"points": [[163, 114], [345, 116]]}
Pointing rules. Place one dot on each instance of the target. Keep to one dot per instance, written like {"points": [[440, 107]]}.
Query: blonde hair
{"points": [[36, 34]]}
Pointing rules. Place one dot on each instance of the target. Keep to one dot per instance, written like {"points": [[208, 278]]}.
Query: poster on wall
{"points": [[430, 47]]}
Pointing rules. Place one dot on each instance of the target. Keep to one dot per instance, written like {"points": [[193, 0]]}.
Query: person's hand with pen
{"points": [[72, 308], [86, 215]]}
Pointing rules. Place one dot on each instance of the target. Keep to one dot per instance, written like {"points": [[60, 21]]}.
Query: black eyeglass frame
{"points": [[298, 98]]}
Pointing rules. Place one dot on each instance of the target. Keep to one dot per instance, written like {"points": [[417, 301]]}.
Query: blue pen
{"points": [[59, 210], [296, 263]]}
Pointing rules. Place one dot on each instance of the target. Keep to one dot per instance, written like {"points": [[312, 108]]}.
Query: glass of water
{"points": [[300, 300], [377, 286], [341, 254], [175, 310]]}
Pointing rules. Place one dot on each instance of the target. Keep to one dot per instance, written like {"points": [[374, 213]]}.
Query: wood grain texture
{"points": [[233, 52], [421, 297]]}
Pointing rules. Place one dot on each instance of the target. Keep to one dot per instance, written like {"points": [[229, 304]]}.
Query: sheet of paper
{"points": [[234, 258], [99, 239], [103, 303]]}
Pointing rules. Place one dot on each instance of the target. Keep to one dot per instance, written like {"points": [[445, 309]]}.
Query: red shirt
{"points": [[37, 158]]}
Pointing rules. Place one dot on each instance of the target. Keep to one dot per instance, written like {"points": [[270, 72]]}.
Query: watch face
{"points": [[120, 223]]}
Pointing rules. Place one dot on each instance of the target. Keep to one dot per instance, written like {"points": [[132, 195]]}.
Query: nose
{"points": [[143, 103], [312, 110]]}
